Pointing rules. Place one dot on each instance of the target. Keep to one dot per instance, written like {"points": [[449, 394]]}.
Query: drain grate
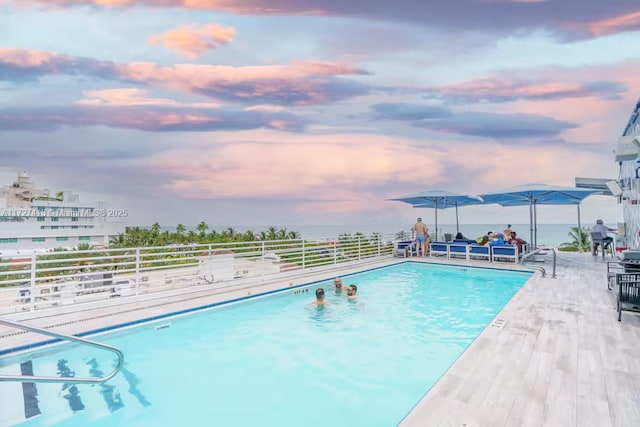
{"points": [[498, 323]]}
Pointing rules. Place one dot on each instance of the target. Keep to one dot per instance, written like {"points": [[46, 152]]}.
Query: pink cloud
{"points": [[328, 68], [29, 58], [192, 41], [601, 118], [300, 83], [329, 182], [133, 97], [617, 24], [489, 16], [511, 87]]}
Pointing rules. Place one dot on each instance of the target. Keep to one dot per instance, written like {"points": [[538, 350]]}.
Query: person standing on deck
{"points": [[419, 232]]}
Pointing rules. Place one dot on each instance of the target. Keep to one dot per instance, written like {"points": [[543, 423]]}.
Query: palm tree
{"points": [[84, 247], [580, 239], [119, 241], [281, 234], [272, 233], [249, 236], [202, 228], [402, 235], [229, 233], [180, 229], [294, 235], [155, 228]]}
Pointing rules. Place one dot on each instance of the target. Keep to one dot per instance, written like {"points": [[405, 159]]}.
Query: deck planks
{"points": [[562, 359]]}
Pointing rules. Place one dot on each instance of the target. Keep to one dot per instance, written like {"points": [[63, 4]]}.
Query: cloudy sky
{"points": [[285, 112]]}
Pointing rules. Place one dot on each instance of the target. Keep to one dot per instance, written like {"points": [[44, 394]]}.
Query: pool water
{"points": [[275, 361]]}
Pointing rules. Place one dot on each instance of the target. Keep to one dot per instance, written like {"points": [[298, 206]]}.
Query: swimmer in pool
{"points": [[352, 291], [319, 298]]}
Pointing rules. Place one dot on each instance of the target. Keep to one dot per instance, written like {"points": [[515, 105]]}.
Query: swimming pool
{"points": [[273, 361]]}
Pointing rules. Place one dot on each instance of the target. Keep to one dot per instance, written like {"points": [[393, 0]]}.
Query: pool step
{"points": [[58, 401]]}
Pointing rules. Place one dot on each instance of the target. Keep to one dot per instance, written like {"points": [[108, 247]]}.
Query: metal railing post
{"points": [[32, 287], [262, 262], [303, 254], [335, 253], [138, 281], [359, 248]]}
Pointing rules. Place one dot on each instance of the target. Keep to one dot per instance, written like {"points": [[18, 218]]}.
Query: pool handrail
{"points": [[64, 337], [540, 250]]}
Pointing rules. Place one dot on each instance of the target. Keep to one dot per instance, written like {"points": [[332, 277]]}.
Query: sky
{"points": [[285, 112]]}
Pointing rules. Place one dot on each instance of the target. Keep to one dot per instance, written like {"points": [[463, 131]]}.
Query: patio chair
{"points": [[597, 239], [403, 248], [628, 292]]}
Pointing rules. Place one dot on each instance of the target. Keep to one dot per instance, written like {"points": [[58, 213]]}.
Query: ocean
{"points": [[548, 234]]}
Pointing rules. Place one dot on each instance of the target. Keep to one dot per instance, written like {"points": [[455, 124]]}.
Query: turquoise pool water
{"points": [[273, 361]]}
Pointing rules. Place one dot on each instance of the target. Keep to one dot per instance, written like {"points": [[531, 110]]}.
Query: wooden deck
{"points": [[561, 358]]}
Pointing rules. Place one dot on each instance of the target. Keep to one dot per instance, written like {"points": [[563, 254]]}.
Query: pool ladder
{"points": [[63, 337], [541, 250]]}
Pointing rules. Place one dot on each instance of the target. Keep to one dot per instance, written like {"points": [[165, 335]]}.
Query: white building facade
{"points": [[31, 218], [629, 180]]}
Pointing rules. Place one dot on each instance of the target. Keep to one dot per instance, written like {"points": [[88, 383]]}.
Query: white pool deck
{"points": [[554, 356]]}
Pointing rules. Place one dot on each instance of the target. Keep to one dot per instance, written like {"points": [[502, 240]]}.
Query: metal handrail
{"points": [[538, 267], [75, 380]]}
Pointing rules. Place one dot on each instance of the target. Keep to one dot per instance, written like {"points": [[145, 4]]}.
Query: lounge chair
{"points": [[508, 252], [477, 251], [439, 249], [458, 250], [628, 292]]}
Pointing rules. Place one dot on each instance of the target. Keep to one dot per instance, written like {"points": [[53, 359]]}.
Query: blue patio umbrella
{"points": [[439, 199], [539, 194]]}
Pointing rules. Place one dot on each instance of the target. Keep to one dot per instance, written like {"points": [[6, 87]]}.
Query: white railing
{"points": [[41, 281]]}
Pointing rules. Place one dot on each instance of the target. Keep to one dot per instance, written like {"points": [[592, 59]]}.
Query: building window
{"points": [[62, 239], [74, 219], [74, 227], [39, 239], [9, 240], [84, 238], [40, 219], [54, 227], [55, 219]]}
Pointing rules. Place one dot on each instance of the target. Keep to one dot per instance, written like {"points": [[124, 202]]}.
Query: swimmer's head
{"points": [[319, 293], [338, 282], [352, 290]]}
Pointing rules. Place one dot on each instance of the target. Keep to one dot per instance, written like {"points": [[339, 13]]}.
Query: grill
{"points": [[630, 261]]}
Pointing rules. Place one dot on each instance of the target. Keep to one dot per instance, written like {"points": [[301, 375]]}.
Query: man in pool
{"points": [[319, 298], [338, 284], [352, 291]]}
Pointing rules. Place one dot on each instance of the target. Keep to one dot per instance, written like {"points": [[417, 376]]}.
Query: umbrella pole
{"points": [[436, 235], [531, 224], [457, 223], [579, 231], [535, 222]]}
